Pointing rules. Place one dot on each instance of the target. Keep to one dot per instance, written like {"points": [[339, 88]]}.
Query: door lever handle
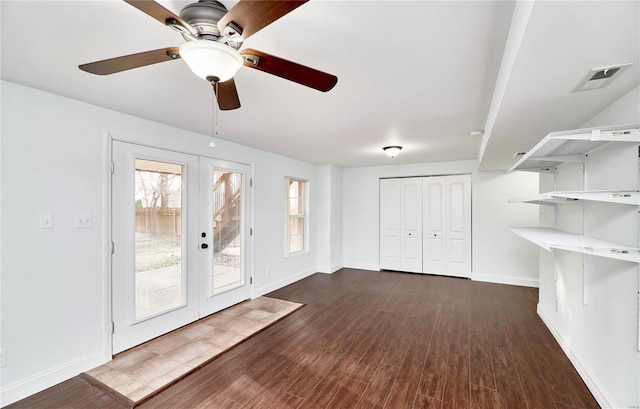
{"points": [[204, 245]]}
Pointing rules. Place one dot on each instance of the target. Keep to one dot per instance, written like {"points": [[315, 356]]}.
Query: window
{"points": [[295, 228]]}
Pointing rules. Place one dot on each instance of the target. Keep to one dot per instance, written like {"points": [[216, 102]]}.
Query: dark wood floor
{"points": [[378, 340]]}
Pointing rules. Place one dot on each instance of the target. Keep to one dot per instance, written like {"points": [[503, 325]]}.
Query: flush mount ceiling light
{"points": [[211, 60], [392, 151]]}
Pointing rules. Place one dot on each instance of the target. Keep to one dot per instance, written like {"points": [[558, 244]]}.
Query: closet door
{"points": [[390, 224], [434, 235], [447, 225], [401, 224], [411, 225], [458, 225]]}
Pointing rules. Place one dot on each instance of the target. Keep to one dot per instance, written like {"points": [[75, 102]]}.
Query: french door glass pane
{"points": [[227, 231], [159, 280]]}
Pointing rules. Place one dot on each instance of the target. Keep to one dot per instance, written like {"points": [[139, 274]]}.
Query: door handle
{"points": [[204, 245]]}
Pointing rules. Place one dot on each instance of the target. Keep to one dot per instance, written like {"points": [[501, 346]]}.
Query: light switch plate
{"points": [[83, 221], [46, 220]]}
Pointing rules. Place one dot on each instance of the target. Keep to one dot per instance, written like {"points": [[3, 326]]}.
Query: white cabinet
{"points": [[425, 225]]}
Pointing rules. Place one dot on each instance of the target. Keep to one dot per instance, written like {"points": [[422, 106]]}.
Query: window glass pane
{"points": [[158, 237], [227, 271], [295, 226], [296, 234], [293, 206]]}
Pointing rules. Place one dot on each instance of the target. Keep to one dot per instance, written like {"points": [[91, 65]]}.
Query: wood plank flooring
{"points": [[370, 339]]}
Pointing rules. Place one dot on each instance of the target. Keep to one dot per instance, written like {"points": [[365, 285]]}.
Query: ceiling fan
{"points": [[213, 37]]}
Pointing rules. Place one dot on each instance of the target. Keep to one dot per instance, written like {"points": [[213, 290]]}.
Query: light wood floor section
{"points": [[135, 375]]}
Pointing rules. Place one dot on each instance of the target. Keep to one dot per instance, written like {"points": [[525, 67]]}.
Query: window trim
{"points": [[304, 216]]}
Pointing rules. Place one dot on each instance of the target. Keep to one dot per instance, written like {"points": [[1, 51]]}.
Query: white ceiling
{"points": [[421, 74]]}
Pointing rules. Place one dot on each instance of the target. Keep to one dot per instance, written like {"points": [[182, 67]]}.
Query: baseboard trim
{"points": [[329, 270], [599, 393], [362, 266], [489, 278], [16, 391], [284, 282]]}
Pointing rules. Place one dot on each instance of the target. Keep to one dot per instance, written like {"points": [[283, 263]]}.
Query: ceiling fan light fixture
{"points": [[392, 151], [207, 58]]}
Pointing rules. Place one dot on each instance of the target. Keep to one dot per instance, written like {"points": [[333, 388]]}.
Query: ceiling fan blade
{"points": [[157, 11], [252, 15], [227, 95], [127, 62], [291, 71]]}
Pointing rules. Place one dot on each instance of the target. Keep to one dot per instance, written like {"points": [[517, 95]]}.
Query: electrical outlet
{"points": [[3, 357]]}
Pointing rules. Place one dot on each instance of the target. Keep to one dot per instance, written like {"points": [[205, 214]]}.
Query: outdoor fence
{"points": [[168, 221]]}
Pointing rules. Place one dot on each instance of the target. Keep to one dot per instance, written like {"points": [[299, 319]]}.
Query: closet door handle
{"points": [[204, 245]]}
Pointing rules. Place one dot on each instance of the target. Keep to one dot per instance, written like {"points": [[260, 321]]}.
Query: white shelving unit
{"points": [[550, 239], [571, 150], [574, 146], [628, 197]]}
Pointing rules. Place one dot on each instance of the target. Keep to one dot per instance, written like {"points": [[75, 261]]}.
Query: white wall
{"points": [[329, 199], [497, 255], [601, 337], [626, 110], [55, 281]]}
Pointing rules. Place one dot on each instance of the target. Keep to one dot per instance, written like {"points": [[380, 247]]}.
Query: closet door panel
{"points": [[411, 219], [458, 225], [434, 220], [390, 237]]}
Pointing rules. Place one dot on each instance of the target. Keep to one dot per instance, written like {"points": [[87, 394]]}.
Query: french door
{"points": [[181, 248], [224, 278]]}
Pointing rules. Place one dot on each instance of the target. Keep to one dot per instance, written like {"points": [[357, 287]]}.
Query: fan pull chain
{"points": [[215, 110], [214, 114]]}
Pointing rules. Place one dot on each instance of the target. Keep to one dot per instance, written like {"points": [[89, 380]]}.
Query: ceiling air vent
{"points": [[518, 154], [599, 77]]}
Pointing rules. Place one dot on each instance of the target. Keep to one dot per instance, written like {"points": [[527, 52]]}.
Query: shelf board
{"points": [[550, 239], [571, 146], [547, 199], [628, 197]]}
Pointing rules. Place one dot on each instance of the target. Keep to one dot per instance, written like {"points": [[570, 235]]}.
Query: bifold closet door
{"points": [[401, 224], [390, 224], [447, 225]]}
